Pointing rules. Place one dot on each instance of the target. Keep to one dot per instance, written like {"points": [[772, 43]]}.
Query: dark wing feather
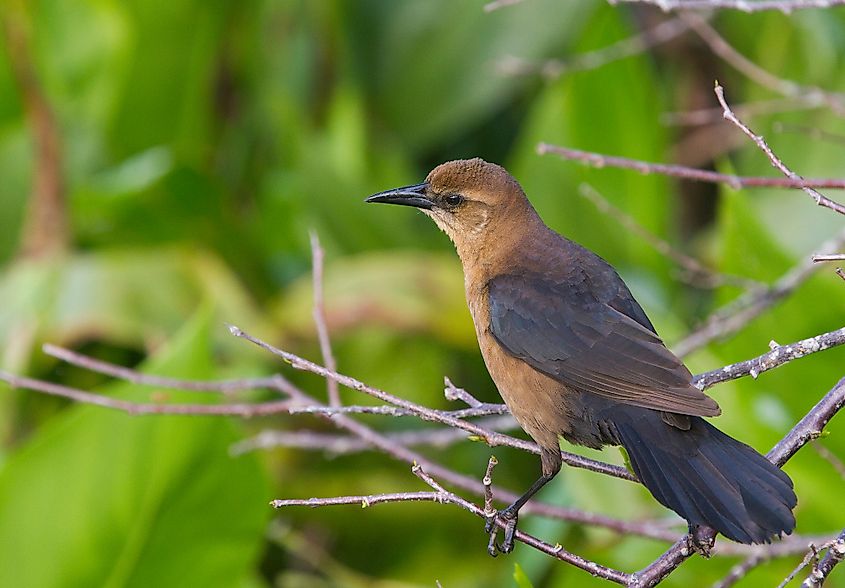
{"points": [[583, 328]]}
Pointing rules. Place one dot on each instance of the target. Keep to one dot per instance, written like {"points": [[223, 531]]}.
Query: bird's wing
{"points": [[596, 342]]}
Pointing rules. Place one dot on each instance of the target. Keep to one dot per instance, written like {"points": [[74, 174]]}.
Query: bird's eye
{"points": [[454, 199]]}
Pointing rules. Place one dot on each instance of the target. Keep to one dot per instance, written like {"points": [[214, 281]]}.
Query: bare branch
{"points": [[828, 257], [319, 314], [300, 403], [812, 554], [384, 443], [809, 428], [491, 438], [835, 554], [779, 355], [241, 410], [136, 377], [556, 551], [785, 6], [756, 555], [775, 161], [687, 173], [451, 392], [487, 482], [364, 500]]}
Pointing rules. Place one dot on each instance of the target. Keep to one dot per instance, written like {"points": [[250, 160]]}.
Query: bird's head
{"points": [[469, 199]]}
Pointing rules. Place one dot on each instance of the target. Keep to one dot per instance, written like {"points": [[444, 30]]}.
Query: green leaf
{"points": [[101, 498], [407, 291], [520, 578], [129, 296], [626, 459], [425, 66]]}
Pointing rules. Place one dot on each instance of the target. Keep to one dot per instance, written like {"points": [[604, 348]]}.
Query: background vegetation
{"points": [[197, 144]]}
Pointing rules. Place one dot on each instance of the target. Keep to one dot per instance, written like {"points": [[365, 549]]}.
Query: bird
{"points": [[573, 355]]}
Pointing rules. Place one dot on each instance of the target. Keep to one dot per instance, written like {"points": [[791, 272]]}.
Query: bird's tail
{"points": [[708, 477]]}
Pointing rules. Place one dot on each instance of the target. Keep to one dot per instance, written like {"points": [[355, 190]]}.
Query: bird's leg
{"points": [[700, 541], [510, 515]]}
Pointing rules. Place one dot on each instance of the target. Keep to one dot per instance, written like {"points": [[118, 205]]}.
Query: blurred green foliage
{"points": [[200, 142]]}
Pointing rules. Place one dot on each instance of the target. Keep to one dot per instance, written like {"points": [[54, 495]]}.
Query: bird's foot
{"points": [[700, 540], [509, 518]]}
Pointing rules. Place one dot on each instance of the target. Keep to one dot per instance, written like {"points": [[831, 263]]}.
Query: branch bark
{"points": [[774, 159], [785, 6], [687, 173]]}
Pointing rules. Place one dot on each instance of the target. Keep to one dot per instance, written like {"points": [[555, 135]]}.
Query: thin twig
{"points": [[777, 356], [382, 442], [785, 6], [452, 392], [487, 482], [556, 551], [138, 408], [227, 409], [835, 554], [828, 257], [136, 377], [785, 547], [812, 554], [775, 161], [319, 314], [364, 500], [299, 403], [492, 439], [809, 427], [687, 173]]}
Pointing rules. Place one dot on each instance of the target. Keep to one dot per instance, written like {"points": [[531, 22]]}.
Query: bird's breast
{"points": [[538, 403]]}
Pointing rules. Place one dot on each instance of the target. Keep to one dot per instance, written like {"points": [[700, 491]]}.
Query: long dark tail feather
{"points": [[706, 476]]}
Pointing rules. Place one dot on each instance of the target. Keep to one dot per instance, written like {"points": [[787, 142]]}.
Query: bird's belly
{"points": [[544, 407]]}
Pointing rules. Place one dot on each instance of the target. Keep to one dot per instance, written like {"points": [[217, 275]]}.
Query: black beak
{"points": [[407, 196]]}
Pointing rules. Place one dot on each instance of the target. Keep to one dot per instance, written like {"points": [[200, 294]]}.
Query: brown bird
{"points": [[574, 356]]}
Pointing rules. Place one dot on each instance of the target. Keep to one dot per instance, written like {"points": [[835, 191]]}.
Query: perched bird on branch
{"points": [[574, 356]]}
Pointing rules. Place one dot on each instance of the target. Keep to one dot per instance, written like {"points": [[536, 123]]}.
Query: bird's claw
{"points": [[510, 519], [699, 541], [490, 521]]}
